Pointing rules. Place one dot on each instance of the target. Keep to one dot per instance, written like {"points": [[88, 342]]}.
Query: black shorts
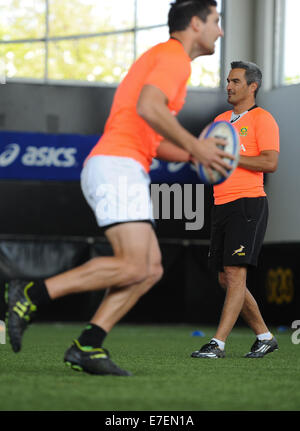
{"points": [[238, 230]]}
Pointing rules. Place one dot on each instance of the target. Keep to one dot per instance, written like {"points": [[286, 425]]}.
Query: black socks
{"points": [[37, 292], [92, 335]]}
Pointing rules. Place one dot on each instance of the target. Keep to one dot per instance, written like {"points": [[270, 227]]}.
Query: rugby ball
{"points": [[223, 130]]}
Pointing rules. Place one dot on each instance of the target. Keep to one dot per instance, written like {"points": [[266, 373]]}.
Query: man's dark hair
{"points": [[253, 72], [182, 11]]}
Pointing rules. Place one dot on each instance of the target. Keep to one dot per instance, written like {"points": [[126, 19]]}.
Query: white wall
{"points": [[283, 187], [249, 35], [238, 43], [263, 37]]}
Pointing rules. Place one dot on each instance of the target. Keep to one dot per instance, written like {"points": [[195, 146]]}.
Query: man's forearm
{"points": [[261, 163], [169, 152]]}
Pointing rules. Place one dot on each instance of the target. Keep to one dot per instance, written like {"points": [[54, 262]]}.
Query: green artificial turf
{"points": [[165, 377]]}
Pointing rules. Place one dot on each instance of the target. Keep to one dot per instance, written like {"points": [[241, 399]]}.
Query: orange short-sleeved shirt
{"points": [[166, 66], [258, 131]]}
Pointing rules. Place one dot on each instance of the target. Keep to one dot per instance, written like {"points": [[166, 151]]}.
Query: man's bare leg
{"points": [[234, 300], [250, 311], [238, 300], [129, 265], [117, 302], [265, 341]]}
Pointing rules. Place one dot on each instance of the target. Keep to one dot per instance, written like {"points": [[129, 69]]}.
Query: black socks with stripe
{"points": [[37, 292], [92, 335]]}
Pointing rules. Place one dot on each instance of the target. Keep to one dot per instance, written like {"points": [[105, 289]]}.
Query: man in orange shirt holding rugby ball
{"points": [[115, 173]]}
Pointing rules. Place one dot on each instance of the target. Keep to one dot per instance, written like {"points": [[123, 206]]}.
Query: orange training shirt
{"points": [[258, 131], [166, 66]]}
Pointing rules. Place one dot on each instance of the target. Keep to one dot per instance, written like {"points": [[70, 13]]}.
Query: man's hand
{"points": [[208, 153]]}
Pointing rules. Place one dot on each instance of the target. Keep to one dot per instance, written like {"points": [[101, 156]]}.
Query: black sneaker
{"points": [[210, 350], [91, 360], [261, 347], [20, 311]]}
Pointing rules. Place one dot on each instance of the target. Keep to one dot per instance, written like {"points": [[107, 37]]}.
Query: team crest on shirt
{"points": [[244, 131]]}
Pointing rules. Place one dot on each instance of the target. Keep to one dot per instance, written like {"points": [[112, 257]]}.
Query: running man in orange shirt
{"points": [[240, 213], [115, 173]]}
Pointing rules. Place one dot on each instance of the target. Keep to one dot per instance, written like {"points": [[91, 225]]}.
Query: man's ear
{"points": [[253, 87], [196, 23]]}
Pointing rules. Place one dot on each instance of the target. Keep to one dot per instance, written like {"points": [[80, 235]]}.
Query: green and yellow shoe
{"points": [[20, 311], [92, 360]]}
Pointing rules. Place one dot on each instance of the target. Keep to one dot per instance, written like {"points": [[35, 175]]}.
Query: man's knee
{"points": [[134, 273], [125, 271], [222, 280], [235, 275], [155, 274]]}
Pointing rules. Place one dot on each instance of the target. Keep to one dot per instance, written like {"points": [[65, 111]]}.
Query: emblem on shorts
{"points": [[239, 251], [244, 131]]}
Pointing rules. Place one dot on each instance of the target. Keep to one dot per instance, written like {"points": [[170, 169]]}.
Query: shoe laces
{"points": [[212, 345], [98, 352], [257, 344]]}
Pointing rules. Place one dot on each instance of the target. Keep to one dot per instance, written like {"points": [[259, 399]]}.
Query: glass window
{"points": [[74, 17], [152, 12], [23, 60], [291, 56], [89, 40], [206, 71], [147, 38], [104, 59], [22, 19]]}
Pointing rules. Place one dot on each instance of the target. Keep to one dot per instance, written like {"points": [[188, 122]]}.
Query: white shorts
{"points": [[117, 190]]}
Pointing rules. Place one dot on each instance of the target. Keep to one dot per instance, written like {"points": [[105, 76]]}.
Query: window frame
{"points": [[279, 39]]}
